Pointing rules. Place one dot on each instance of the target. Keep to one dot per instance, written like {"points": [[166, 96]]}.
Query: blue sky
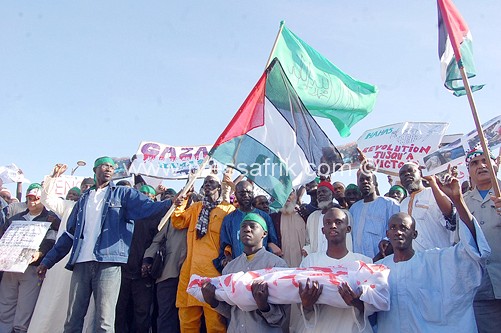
{"points": [[83, 79]]}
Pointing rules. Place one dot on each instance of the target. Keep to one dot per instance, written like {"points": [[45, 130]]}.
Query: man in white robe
{"points": [[315, 239], [433, 290], [324, 318]]}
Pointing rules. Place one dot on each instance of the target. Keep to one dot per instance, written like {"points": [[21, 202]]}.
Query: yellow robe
{"points": [[200, 252]]}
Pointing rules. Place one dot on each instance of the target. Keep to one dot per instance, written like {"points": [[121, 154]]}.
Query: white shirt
{"points": [[315, 238], [430, 222], [433, 291], [327, 318], [92, 226]]}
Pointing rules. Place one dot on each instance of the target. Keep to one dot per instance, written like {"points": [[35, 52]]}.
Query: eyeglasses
{"points": [[107, 166]]}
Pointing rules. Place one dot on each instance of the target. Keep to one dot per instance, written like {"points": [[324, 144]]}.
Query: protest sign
{"points": [[12, 174], [64, 183], [350, 156], [122, 167], [389, 147], [454, 153], [169, 162], [19, 243]]}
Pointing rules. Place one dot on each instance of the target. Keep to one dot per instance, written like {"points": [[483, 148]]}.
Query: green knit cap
{"points": [[256, 218], [148, 189], [76, 189], [399, 188], [352, 187]]}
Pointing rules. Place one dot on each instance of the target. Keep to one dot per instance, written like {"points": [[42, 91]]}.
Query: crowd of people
{"points": [[96, 268]]}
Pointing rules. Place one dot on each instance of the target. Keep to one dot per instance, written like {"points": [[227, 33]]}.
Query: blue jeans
{"points": [[101, 280]]}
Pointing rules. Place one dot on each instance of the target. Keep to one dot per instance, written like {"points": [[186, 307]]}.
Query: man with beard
{"points": [[268, 318], [203, 219], [231, 247], [487, 303], [433, 290], [315, 239], [324, 318], [99, 234], [291, 231], [352, 194], [306, 209], [370, 216], [430, 207]]}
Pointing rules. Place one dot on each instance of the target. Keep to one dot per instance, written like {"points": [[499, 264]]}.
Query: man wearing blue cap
{"points": [[99, 233], [268, 317]]}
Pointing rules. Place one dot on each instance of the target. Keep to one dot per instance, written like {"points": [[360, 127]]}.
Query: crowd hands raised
{"points": [[96, 260]]}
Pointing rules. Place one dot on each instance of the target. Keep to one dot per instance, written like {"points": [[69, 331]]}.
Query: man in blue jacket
{"points": [[99, 233]]}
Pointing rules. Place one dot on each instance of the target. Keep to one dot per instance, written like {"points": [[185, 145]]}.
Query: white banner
{"points": [[170, 162], [21, 240], [454, 154], [389, 147], [64, 183]]}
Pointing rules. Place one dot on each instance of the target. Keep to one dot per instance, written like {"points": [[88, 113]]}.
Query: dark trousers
{"points": [[134, 306], [168, 319]]}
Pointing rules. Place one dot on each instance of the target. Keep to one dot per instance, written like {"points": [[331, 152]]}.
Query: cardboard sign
{"points": [[389, 147], [169, 162], [454, 154], [21, 240]]}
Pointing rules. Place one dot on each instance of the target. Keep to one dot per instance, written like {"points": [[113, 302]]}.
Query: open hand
{"points": [[310, 293], [260, 293]]}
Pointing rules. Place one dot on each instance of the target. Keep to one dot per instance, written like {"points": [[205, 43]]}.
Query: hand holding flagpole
{"points": [[458, 33], [186, 188]]}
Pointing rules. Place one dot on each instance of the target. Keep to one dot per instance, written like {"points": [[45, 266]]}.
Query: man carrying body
{"points": [[487, 303], [231, 247], [268, 318], [315, 239], [99, 234], [433, 290], [331, 319]]}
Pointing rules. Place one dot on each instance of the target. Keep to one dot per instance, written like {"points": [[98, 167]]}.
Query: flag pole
{"points": [[189, 184], [282, 23], [480, 132]]}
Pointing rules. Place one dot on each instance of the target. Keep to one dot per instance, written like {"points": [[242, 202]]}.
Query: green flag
{"points": [[325, 90]]}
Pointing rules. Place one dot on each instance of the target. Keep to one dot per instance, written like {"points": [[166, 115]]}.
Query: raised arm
{"points": [[450, 186], [441, 198], [48, 198]]}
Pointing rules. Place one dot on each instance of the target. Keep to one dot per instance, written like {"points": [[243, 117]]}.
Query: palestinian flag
{"points": [[273, 139], [454, 48]]}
